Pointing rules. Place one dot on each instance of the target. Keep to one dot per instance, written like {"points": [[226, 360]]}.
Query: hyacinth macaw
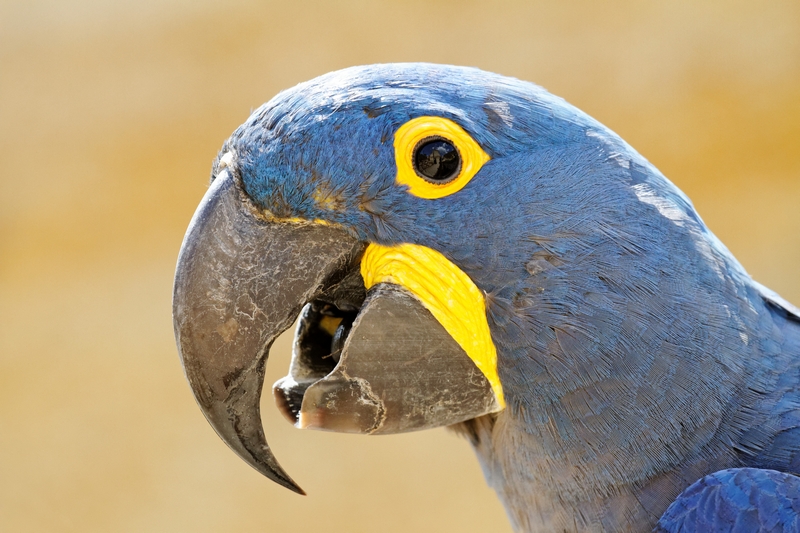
{"points": [[466, 249]]}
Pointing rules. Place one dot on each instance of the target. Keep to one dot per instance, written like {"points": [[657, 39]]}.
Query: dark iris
{"points": [[437, 160]]}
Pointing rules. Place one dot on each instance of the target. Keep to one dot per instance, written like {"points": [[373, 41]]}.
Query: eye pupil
{"points": [[437, 160]]}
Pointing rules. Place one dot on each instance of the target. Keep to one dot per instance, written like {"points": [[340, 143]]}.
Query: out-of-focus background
{"points": [[110, 115]]}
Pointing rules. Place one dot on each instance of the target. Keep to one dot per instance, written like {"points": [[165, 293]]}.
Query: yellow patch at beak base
{"points": [[447, 292]]}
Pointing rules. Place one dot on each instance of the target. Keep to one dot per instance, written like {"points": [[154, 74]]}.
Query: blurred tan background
{"points": [[110, 115]]}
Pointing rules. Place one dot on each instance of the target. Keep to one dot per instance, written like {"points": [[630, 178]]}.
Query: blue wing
{"points": [[740, 500]]}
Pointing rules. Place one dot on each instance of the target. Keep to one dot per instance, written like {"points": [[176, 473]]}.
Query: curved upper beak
{"points": [[370, 362], [239, 283]]}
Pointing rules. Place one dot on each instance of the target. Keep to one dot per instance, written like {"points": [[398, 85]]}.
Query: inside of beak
{"points": [[319, 341], [389, 367]]}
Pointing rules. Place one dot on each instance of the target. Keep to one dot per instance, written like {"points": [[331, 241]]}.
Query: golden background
{"points": [[110, 115]]}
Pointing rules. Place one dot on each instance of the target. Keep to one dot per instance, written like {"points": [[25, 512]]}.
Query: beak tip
{"points": [[292, 486], [282, 480], [267, 466], [280, 477]]}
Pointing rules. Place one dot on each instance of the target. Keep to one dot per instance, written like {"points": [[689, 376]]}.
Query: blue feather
{"points": [[746, 500], [636, 354]]}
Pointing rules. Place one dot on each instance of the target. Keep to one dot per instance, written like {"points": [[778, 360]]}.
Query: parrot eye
{"points": [[436, 159]]}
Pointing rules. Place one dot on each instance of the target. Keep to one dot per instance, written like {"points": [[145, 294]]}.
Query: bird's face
{"points": [[400, 211]]}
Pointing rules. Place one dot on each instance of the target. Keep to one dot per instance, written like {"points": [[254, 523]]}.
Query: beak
{"points": [[240, 282], [369, 362]]}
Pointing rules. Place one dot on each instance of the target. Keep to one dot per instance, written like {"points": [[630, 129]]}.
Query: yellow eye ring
{"points": [[413, 133]]}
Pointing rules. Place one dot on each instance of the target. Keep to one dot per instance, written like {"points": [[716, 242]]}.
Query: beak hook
{"points": [[240, 282]]}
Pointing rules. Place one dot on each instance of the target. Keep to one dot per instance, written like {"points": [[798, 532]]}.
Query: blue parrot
{"points": [[465, 249]]}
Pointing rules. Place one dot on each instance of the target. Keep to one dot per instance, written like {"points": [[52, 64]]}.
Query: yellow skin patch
{"points": [[327, 200], [409, 136], [298, 220], [328, 324], [448, 293]]}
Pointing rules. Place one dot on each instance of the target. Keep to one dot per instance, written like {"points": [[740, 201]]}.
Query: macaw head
{"points": [[456, 243]]}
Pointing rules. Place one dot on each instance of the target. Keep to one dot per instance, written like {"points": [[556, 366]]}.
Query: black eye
{"points": [[437, 160]]}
